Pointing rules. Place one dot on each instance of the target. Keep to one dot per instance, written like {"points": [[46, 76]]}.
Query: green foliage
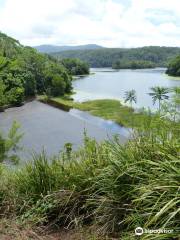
{"points": [[40, 177], [105, 57], [130, 96], [13, 91], [9, 47], [174, 67], [75, 66], [15, 96], [2, 95], [176, 96], [56, 80], [24, 72], [3, 62], [159, 93], [105, 108], [10, 145], [123, 64], [59, 85], [112, 186]]}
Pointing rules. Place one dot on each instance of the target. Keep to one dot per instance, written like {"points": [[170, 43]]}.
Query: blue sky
{"points": [[111, 23], [2, 2]]}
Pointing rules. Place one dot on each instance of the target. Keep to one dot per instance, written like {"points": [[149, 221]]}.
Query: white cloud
{"points": [[112, 23]]}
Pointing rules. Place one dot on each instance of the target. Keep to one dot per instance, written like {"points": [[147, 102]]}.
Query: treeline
{"points": [[24, 73], [75, 66], [121, 64], [106, 57], [174, 67]]}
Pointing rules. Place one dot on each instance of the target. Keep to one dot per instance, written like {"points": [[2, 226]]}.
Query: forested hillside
{"points": [[75, 66], [24, 73], [174, 67], [135, 64], [106, 57]]}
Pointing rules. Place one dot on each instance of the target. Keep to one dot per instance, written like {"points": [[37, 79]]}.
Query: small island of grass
{"points": [[127, 116], [109, 109]]}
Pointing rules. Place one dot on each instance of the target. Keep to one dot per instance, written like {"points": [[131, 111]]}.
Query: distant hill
{"points": [[55, 48], [106, 57]]}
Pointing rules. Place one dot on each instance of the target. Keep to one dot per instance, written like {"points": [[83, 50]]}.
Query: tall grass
{"points": [[114, 187]]}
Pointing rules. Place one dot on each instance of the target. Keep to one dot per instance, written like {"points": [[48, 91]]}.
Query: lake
{"points": [[50, 128], [108, 83]]}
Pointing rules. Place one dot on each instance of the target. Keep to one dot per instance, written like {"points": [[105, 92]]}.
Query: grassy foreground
{"points": [[109, 187], [106, 108]]}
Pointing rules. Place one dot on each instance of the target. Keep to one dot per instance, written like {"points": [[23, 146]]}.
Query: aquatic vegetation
{"points": [[113, 187]]}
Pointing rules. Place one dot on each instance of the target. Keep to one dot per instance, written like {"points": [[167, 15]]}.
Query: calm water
{"points": [[106, 83], [50, 128], [109, 126]]}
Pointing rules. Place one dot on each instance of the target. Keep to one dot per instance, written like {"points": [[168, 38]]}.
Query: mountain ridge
{"points": [[48, 48], [106, 57]]}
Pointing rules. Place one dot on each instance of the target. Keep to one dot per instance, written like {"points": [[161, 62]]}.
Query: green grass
{"points": [[107, 108], [107, 186], [111, 187]]}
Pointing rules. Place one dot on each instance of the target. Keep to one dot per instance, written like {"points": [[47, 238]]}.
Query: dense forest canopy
{"points": [[24, 72], [106, 57], [121, 64], [174, 67], [75, 66]]}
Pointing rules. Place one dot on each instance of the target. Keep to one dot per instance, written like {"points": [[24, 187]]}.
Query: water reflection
{"points": [[108, 125], [50, 128], [107, 83]]}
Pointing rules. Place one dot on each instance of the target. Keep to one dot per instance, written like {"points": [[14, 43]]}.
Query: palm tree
{"points": [[130, 96], [176, 98], [159, 93]]}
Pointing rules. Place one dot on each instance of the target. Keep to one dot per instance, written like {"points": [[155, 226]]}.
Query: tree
{"points": [[58, 86], [15, 96], [159, 93], [56, 79], [176, 97], [130, 96], [2, 95], [105, 57], [3, 62], [25, 72], [174, 67], [75, 66], [10, 145]]}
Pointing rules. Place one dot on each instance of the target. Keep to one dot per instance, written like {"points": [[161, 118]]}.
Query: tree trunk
{"points": [[159, 106]]}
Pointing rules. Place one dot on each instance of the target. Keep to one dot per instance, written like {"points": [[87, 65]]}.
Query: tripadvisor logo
{"points": [[139, 231]]}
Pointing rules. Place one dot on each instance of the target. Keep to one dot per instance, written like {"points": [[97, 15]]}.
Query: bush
{"points": [[174, 67], [75, 66], [24, 73], [59, 86], [111, 186]]}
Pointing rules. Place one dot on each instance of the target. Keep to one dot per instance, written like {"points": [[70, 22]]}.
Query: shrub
{"points": [[114, 187]]}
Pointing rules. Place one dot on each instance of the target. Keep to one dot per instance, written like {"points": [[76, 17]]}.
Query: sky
{"points": [[110, 23]]}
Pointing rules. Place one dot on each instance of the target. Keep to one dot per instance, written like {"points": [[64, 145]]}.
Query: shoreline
{"points": [[107, 109], [172, 77], [28, 99]]}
